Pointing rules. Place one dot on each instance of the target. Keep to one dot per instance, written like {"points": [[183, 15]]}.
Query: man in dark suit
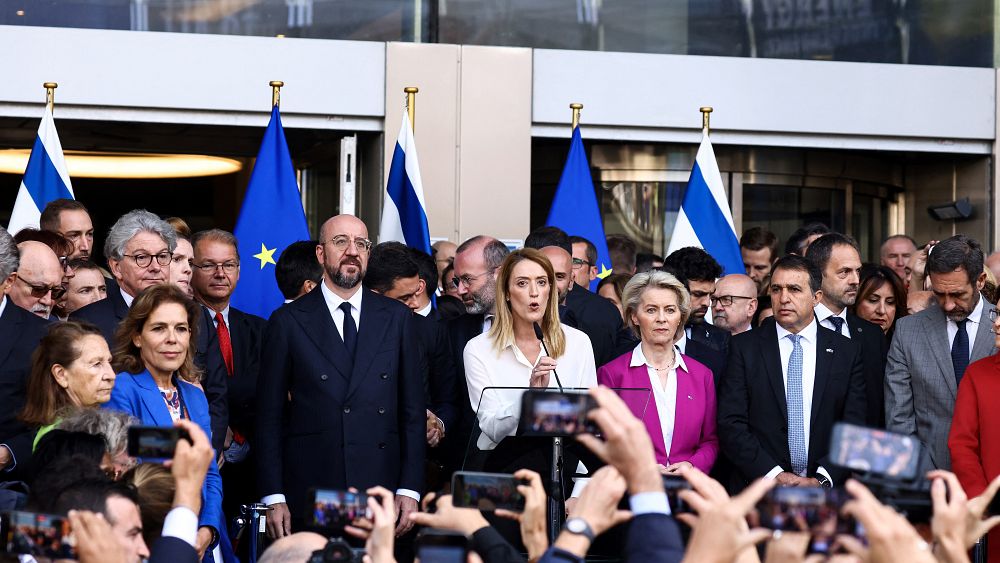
{"points": [[786, 385], [356, 414], [20, 332], [216, 272], [699, 272], [139, 249], [838, 259]]}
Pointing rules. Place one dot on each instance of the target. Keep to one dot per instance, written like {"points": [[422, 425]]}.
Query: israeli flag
{"points": [[404, 216], [45, 179], [705, 219]]}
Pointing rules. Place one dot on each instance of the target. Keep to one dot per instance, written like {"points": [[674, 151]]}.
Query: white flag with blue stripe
{"points": [[705, 219], [404, 215], [45, 178]]}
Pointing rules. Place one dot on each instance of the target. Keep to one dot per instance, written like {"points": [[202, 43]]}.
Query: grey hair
{"points": [[108, 424], [133, 223], [653, 279], [494, 251], [10, 259], [217, 235]]}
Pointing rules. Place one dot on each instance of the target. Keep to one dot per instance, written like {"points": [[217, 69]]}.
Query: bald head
{"points": [[735, 316], [295, 548], [37, 276], [343, 250], [562, 263], [444, 256]]}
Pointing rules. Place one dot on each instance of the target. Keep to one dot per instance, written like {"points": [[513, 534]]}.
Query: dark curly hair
{"points": [[693, 264]]}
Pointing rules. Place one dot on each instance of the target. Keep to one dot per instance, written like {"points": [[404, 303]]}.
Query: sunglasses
{"points": [[39, 291]]}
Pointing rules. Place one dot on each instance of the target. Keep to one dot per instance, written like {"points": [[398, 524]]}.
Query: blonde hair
{"points": [[655, 279], [502, 331]]}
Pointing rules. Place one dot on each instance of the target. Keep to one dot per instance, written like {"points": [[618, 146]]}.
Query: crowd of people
{"points": [[388, 369]]}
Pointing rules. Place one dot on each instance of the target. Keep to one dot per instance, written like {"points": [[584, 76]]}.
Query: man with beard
{"points": [[698, 271], [734, 303], [345, 356], [931, 349], [839, 261]]}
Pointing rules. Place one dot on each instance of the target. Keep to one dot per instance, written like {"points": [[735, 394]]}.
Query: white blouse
{"points": [[498, 410], [665, 396]]}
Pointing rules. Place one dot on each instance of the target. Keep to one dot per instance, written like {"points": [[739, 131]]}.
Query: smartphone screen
{"points": [[336, 509], [673, 485], [39, 535], [875, 451], [486, 491], [153, 442], [812, 510], [556, 413]]}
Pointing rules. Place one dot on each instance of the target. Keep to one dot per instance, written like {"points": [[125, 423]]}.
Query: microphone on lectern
{"points": [[541, 338]]}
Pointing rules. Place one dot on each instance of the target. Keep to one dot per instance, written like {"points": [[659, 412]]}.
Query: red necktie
{"points": [[225, 344]]}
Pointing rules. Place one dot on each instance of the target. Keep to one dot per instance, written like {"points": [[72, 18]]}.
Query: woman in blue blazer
{"points": [[157, 382]]}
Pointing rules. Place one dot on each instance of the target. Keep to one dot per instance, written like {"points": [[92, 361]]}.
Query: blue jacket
{"points": [[138, 395]]}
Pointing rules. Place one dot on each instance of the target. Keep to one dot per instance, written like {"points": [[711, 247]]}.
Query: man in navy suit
{"points": [[356, 416], [139, 249], [20, 332]]}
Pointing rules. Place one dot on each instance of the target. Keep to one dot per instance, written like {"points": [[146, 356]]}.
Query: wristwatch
{"points": [[823, 481], [580, 527]]}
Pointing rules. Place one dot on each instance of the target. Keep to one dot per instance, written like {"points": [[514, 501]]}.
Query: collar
{"points": [[639, 359], [3, 304], [823, 312], [333, 300], [808, 333], [128, 298], [225, 313], [977, 313], [426, 310]]}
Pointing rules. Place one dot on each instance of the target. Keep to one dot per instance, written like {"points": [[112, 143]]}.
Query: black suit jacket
{"points": [[711, 335], [20, 332], [653, 537], [109, 312], [874, 349], [438, 366], [752, 412], [246, 332], [601, 321], [461, 330], [169, 549], [351, 422], [708, 356]]}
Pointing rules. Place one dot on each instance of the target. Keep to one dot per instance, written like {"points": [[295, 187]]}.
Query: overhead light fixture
{"points": [[128, 165], [954, 211]]}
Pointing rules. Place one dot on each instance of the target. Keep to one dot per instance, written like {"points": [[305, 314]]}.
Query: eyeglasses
{"points": [[211, 267], [577, 263], [467, 279], [994, 314], [727, 300], [39, 291], [340, 243], [144, 260]]}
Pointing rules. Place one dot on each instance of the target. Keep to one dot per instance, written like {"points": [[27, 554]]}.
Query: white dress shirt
{"points": [[500, 409], [426, 310], [225, 316], [3, 303], [971, 327], [664, 395], [128, 298], [823, 313], [808, 343], [333, 302], [681, 344]]}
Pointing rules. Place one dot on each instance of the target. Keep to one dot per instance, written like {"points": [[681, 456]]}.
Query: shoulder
{"points": [[192, 391], [696, 368], [985, 369], [479, 346], [249, 318], [372, 299], [912, 322], [619, 365], [575, 338], [96, 310]]}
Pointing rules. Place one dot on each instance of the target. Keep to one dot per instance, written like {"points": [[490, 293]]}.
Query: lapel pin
{"points": [[690, 397], [829, 350]]}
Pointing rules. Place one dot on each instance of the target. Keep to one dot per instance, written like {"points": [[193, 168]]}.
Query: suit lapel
{"points": [[121, 308], [10, 328], [237, 331], [825, 340], [768, 335], [983, 346], [152, 400], [374, 321], [312, 313], [936, 332]]}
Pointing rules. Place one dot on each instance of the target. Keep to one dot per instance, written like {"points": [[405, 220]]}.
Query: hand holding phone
{"points": [[487, 491], [154, 442]]}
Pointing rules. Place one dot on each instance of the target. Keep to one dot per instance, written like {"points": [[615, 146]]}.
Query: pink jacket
{"points": [[694, 438]]}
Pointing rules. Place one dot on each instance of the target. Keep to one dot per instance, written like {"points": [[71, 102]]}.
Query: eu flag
{"points": [[575, 208], [271, 218]]}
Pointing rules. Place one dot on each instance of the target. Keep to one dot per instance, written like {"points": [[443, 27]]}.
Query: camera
{"points": [[891, 465], [337, 551], [556, 413]]}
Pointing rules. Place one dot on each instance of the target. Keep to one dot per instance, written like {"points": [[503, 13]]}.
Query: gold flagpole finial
{"points": [[576, 113], [276, 92], [411, 105], [706, 112], [50, 94]]}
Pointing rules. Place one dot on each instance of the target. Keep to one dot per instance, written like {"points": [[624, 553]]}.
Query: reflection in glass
{"points": [[642, 210]]}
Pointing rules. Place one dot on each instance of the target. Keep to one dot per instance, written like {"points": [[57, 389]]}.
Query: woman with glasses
{"points": [[158, 382], [974, 440], [71, 368], [680, 415]]}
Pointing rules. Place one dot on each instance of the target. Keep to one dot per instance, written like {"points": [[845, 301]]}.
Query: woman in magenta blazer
{"points": [[679, 409]]}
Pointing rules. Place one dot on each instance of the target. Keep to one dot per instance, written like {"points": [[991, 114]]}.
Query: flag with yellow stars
{"points": [[271, 218]]}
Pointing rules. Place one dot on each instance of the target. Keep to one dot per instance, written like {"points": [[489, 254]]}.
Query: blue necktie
{"points": [[350, 329], [838, 323], [960, 351], [796, 422]]}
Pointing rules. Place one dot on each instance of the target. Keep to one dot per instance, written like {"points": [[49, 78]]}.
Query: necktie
{"points": [[960, 351], [225, 343], [350, 329], [796, 422], [838, 323]]}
